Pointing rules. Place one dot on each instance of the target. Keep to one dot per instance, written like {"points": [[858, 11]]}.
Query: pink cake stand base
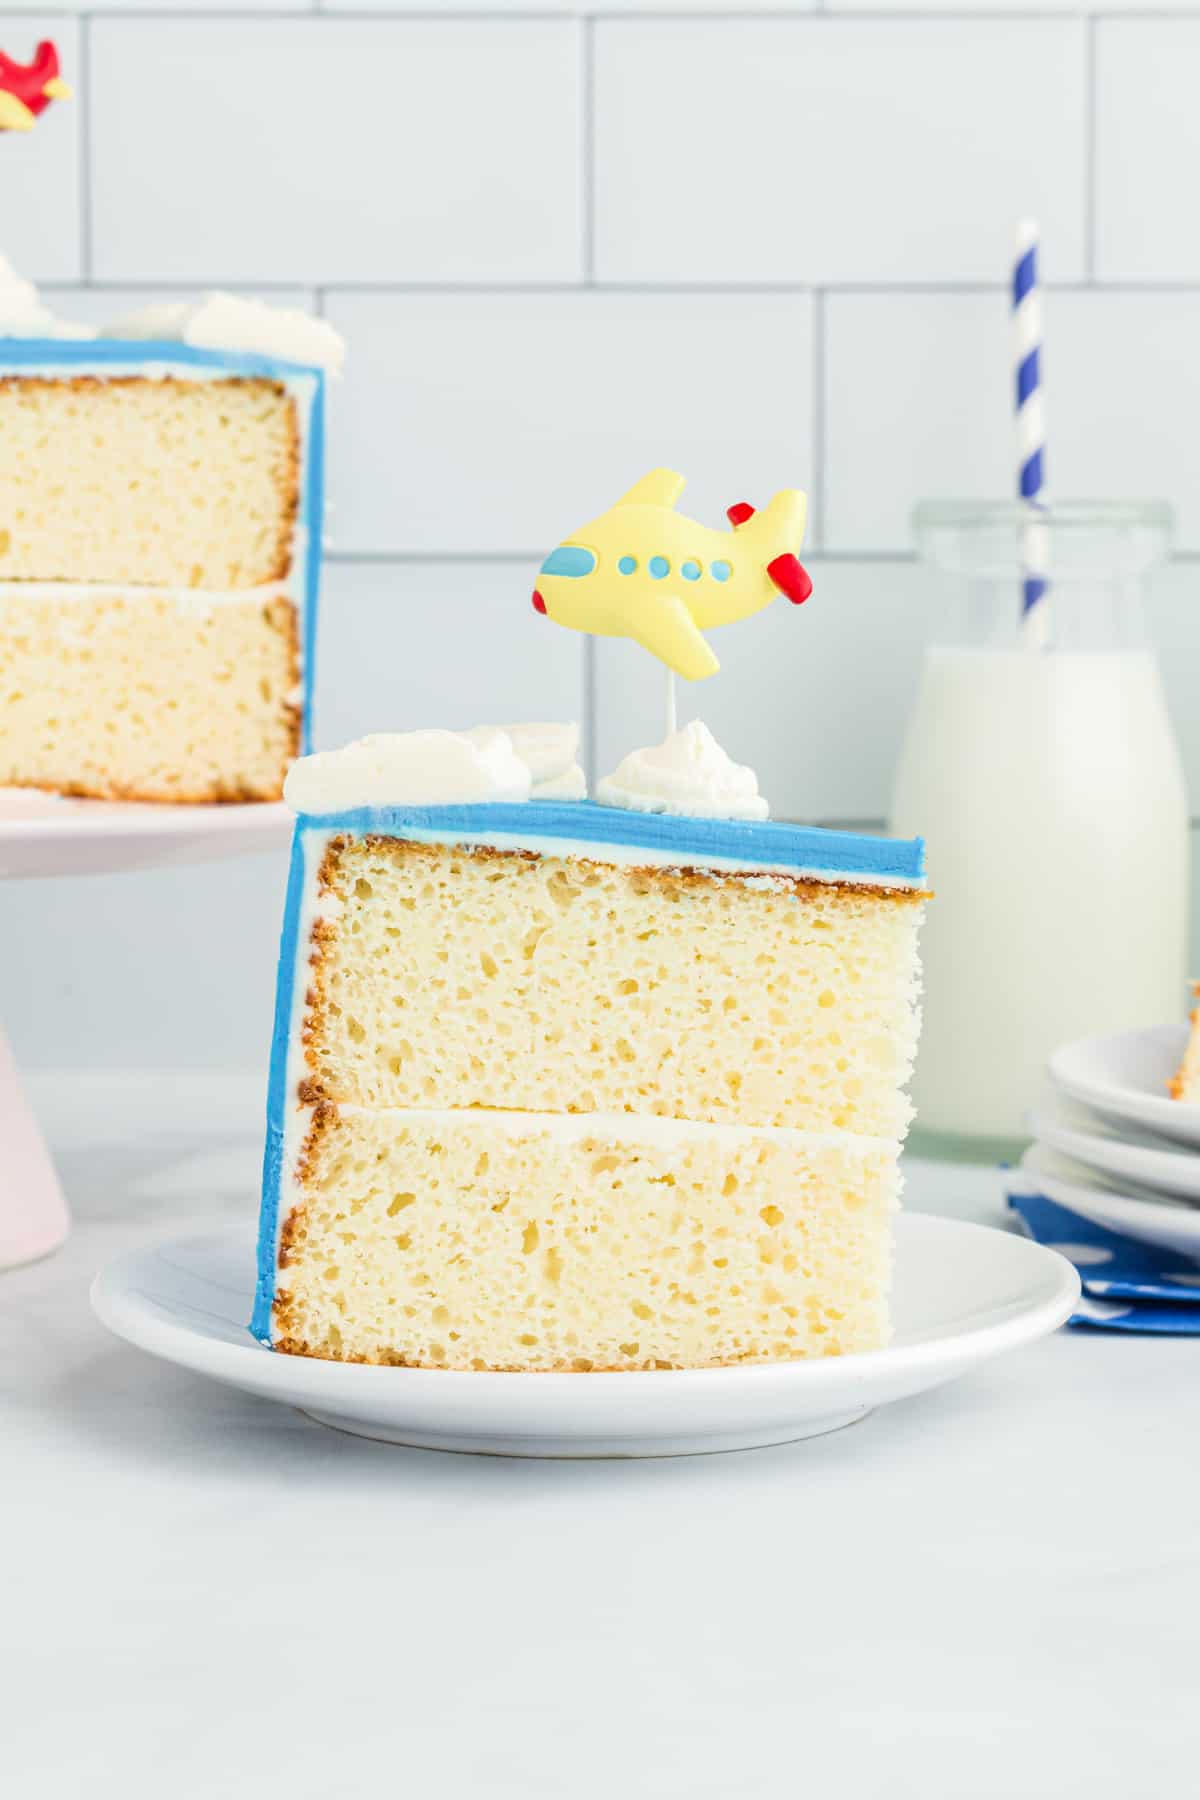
{"points": [[33, 1214], [43, 835]]}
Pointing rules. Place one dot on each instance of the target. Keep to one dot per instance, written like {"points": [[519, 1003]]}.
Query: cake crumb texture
{"points": [[157, 481], [145, 696], [442, 977], [467, 1243]]}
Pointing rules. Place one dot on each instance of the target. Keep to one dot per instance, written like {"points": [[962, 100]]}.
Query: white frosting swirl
{"points": [[550, 753], [440, 768], [233, 322], [689, 775], [571, 784], [22, 314]]}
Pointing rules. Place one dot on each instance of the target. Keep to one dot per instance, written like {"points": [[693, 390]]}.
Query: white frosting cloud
{"points": [[440, 768], [689, 775], [571, 784], [550, 754], [232, 322], [22, 314], [407, 768]]}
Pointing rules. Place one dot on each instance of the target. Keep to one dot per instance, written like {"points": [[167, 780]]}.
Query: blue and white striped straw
{"points": [[1031, 436]]}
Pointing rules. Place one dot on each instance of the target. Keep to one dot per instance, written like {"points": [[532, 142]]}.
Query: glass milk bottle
{"points": [[1048, 787]]}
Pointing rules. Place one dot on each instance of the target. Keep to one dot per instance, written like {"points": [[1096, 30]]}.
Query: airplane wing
{"points": [[14, 114], [666, 629]]}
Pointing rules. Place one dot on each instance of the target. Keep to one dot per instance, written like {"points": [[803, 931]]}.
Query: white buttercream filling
{"points": [[688, 775], [232, 322], [631, 1128]]}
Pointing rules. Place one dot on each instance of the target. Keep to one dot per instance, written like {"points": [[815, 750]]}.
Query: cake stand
{"points": [[44, 834]]}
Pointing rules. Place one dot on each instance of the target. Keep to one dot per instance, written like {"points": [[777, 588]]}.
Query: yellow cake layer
{"points": [[140, 695], [483, 1241], [445, 978], [157, 481]]}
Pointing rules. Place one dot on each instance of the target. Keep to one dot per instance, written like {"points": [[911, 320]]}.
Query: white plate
{"points": [[1164, 1223], [963, 1293], [1125, 1077], [46, 834], [1122, 1158]]}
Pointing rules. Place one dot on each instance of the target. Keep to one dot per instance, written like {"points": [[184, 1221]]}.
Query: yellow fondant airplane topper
{"points": [[644, 571]]}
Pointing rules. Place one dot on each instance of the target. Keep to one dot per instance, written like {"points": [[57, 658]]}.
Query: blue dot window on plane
{"points": [[658, 567], [722, 571], [569, 559], [690, 570], [627, 564]]}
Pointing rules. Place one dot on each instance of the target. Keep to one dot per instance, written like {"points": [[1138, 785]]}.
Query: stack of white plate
{"points": [[1113, 1146]]}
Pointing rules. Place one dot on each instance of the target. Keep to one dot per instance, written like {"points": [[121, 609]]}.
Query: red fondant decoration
{"points": [[539, 605], [737, 515], [790, 578], [32, 85]]}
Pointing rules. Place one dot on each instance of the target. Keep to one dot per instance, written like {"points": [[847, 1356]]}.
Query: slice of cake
{"points": [[571, 1086], [1185, 1083], [160, 537]]}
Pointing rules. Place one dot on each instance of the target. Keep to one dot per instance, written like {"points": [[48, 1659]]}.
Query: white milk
{"points": [[1050, 794]]}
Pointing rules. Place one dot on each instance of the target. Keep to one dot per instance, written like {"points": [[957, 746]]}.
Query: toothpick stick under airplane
{"points": [[644, 571]]}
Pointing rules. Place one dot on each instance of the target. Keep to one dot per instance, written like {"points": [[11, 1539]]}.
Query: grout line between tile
{"points": [[310, 9], [1089, 149], [817, 424], [387, 558], [587, 150], [83, 79], [822, 11], [1149, 287]]}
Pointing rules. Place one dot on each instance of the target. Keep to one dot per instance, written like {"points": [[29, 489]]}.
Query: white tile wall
{"points": [[405, 646], [765, 244], [917, 404], [828, 150], [294, 149], [1146, 153], [502, 421]]}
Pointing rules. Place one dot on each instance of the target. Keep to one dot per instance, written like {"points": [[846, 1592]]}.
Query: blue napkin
{"points": [[1127, 1286]]}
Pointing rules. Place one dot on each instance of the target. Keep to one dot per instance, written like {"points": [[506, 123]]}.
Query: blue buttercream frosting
{"points": [[110, 355], [803, 848]]}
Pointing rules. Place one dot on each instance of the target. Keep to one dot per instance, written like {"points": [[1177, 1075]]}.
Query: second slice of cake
{"points": [[559, 1086]]}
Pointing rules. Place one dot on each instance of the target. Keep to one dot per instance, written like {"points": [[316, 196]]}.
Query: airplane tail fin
{"points": [[782, 521]]}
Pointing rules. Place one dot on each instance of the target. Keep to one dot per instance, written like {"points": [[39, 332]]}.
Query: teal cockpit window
{"points": [[569, 559]]}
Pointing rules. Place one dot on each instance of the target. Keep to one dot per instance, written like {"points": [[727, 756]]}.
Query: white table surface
{"points": [[991, 1590]]}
